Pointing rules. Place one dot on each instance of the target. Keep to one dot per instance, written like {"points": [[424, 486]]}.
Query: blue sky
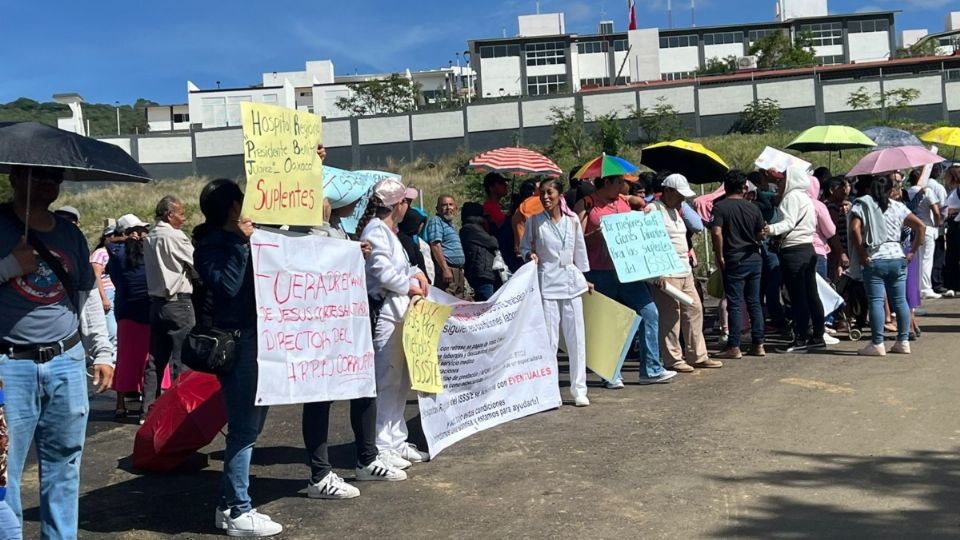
{"points": [[113, 50]]}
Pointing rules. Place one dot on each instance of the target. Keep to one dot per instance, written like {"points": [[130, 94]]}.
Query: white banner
{"points": [[495, 362], [314, 341]]}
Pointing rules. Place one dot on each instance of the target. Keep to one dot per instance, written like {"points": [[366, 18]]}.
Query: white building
{"points": [[948, 41], [168, 117], [316, 89], [544, 59]]}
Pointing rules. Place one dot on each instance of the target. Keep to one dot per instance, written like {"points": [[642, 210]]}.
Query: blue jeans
{"points": [[771, 280], [483, 291], [10, 528], [244, 423], [823, 271], [741, 281], [47, 404], [890, 276], [637, 297]]}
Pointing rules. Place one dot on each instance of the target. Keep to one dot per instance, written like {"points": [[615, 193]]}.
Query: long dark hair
{"points": [[880, 191], [133, 247], [216, 200], [375, 208]]}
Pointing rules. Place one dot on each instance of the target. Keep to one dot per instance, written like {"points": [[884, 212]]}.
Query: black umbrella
{"points": [[82, 159]]}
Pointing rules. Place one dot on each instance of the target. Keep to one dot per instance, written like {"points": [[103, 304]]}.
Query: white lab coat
{"points": [[562, 256], [389, 274]]}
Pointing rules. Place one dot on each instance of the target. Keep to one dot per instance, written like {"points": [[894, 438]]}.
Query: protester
{"points": [[676, 318], [480, 250], [907, 236], [45, 300], [507, 236], [446, 247], [391, 282], [98, 261], [495, 186], [951, 266], [408, 232], [771, 279], [223, 262], [798, 260], [940, 194], [838, 204], [875, 224], [736, 230], [926, 202], [606, 201], [529, 206], [554, 240], [169, 260], [126, 265], [69, 213], [823, 234]]}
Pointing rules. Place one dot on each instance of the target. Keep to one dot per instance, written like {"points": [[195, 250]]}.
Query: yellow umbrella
{"points": [[698, 163], [946, 136]]}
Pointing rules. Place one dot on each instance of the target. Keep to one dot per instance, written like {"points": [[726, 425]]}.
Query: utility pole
{"points": [[117, 106]]}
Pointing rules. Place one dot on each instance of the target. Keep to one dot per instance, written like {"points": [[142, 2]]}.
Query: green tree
{"points": [[394, 94], [759, 116], [719, 66], [609, 135], [927, 47], [888, 106], [659, 123], [777, 51], [569, 140]]}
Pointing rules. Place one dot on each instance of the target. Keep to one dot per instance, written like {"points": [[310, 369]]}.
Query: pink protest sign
{"points": [[313, 322]]}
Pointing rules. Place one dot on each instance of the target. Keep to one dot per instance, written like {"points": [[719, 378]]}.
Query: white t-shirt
{"points": [[893, 220], [953, 202]]}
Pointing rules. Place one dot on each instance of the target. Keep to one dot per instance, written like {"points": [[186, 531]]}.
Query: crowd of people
{"points": [[135, 298]]}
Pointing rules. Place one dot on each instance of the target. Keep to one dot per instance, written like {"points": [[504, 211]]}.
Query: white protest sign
{"points": [[495, 362], [640, 246], [314, 341], [778, 160]]}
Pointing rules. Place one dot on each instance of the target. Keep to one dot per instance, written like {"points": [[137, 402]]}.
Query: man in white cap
{"points": [[676, 317], [69, 213]]}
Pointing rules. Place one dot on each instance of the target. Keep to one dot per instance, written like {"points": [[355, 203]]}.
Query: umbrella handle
{"points": [[26, 217]]}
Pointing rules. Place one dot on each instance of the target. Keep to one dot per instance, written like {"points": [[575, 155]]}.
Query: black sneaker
{"points": [[816, 345], [795, 347]]}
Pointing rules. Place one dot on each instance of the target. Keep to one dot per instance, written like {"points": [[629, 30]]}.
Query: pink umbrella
{"points": [[894, 159]]}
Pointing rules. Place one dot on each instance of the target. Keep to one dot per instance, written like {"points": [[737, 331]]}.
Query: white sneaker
{"points": [[830, 340], [220, 518], [930, 295], [614, 385], [581, 401], [411, 453], [662, 378], [949, 294], [901, 347], [378, 470], [332, 487], [872, 349], [392, 458], [251, 523]]}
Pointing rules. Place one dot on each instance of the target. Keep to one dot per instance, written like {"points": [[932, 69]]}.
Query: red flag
{"points": [[633, 15]]}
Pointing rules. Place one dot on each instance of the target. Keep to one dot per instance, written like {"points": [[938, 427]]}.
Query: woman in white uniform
{"points": [[554, 239], [391, 282]]}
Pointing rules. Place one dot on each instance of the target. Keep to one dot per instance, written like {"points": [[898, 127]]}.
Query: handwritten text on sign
{"points": [[314, 341], [495, 363], [342, 187], [640, 246], [284, 175], [421, 337]]}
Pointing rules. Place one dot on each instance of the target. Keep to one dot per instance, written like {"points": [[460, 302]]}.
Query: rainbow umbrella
{"points": [[606, 165]]}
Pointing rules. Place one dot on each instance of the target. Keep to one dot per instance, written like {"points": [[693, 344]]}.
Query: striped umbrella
{"points": [[515, 160], [606, 165]]}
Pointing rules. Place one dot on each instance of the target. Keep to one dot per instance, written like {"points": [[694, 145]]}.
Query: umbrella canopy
{"points": [[82, 159], [829, 138], [183, 420], [947, 136], [606, 165], [514, 160], [698, 163], [893, 159], [886, 137]]}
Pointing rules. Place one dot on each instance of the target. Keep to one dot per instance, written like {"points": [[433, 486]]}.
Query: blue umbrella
{"points": [[886, 137]]}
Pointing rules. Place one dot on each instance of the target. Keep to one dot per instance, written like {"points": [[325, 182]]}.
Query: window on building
{"points": [[676, 76], [622, 80], [594, 81], [620, 45], [592, 47], [824, 34], [272, 98], [754, 36], [953, 74], [722, 38], [542, 85], [499, 51], [830, 60], [674, 42], [545, 54], [181, 118], [874, 25], [234, 118], [214, 111]]}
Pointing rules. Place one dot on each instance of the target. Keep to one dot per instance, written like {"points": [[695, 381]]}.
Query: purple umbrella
{"points": [[894, 159]]}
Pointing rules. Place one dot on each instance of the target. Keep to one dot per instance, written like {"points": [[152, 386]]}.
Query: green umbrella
{"points": [[830, 138]]}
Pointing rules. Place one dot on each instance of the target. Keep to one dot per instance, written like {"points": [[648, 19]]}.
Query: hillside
{"points": [[102, 116]]}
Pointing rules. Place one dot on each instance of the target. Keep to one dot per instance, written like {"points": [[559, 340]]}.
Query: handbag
{"points": [[210, 350]]}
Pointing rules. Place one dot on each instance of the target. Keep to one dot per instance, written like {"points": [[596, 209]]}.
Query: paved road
{"points": [[818, 446]]}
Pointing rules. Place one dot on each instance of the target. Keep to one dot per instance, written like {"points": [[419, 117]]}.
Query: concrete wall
{"points": [[170, 149], [725, 99], [679, 59], [618, 103], [387, 129], [443, 125], [538, 112], [953, 96], [592, 66], [789, 94], [835, 95], [497, 73], [722, 51], [869, 46], [493, 117]]}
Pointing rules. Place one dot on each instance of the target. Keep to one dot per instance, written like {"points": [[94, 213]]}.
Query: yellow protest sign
{"points": [[609, 327], [284, 174], [422, 327]]}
